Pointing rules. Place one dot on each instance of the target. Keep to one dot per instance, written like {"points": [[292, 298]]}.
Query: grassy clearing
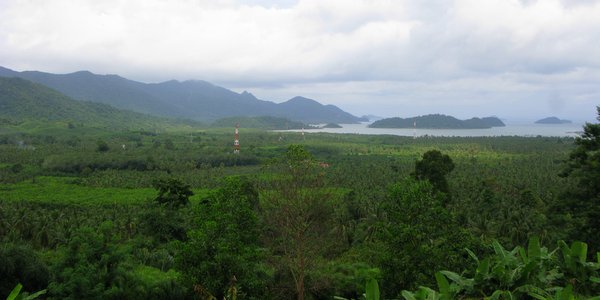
{"points": [[65, 190]]}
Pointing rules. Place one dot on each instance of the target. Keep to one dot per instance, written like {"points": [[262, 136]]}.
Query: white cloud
{"points": [[434, 54]]}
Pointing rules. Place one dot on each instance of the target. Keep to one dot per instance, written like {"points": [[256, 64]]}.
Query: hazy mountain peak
{"points": [[302, 100], [248, 95], [299, 98], [83, 72], [197, 82]]}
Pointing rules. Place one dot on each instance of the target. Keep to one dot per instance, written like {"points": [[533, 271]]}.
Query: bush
{"points": [[102, 146], [172, 192], [19, 263]]}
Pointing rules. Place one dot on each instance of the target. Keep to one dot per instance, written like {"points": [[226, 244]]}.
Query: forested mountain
{"points": [[22, 100], [198, 100], [438, 121]]}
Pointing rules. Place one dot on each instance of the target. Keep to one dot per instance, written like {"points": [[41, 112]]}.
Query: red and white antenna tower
{"points": [[415, 129], [236, 139]]}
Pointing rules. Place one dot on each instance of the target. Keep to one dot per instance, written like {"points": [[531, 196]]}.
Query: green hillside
{"points": [[25, 101]]}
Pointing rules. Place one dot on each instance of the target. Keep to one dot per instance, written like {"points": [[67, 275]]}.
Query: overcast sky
{"points": [[517, 59]]}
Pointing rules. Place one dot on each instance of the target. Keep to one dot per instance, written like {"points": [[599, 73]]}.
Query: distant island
{"points": [[370, 118], [552, 120], [332, 125], [438, 121]]}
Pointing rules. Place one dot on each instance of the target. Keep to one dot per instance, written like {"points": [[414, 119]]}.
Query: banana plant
{"points": [[521, 273], [584, 276], [560, 293], [16, 294], [423, 293], [371, 291]]}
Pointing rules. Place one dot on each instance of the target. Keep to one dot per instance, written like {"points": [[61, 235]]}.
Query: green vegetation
{"points": [[263, 122], [583, 202], [225, 247], [434, 167], [522, 273], [439, 122], [89, 212], [23, 102], [172, 193]]}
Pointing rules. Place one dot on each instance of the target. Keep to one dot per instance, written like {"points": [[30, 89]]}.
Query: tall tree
{"points": [[584, 202], [222, 254], [420, 236], [434, 167], [298, 210]]}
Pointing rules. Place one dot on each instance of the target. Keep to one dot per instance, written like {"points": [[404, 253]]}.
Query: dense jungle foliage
{"points": [[95, 214]]}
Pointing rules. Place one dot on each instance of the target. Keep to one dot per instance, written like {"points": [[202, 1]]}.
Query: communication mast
{"points": [[236, 140], [415, 129]]}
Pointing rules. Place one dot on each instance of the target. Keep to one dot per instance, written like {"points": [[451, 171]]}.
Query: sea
{"points": [[515, 129]]}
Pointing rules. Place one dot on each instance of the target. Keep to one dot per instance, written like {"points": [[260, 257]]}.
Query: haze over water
{"points": [[511, 129]]}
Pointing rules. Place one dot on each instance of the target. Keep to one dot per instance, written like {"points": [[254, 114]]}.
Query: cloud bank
{"points": [[512, 58]]}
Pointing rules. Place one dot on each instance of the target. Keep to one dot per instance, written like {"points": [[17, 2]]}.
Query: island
{"points": [[332, 125], [369, 118], [438, 121], [552, 120]]}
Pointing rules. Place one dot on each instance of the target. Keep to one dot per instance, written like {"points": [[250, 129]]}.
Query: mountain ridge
{"points": [[22, 100], [193, 99]]}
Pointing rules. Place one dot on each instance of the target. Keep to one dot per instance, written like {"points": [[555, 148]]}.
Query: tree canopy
{"points": [[434, 167], [584, 202]]}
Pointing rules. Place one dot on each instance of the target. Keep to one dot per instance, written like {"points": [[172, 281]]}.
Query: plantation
{"points": [[98, 213]]}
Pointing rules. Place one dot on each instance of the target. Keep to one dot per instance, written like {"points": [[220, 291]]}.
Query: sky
{"points": [[515, 59]]}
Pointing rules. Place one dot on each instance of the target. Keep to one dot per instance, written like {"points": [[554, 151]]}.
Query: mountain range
{"points": [[193, 99], [25, 101]]}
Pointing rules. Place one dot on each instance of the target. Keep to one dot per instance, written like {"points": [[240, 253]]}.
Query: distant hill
{"points": [[332, 125], [198, 100], [371, 118], [263, 122], [22, 100], [311, 111], [437, 121], [552, 120]]}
